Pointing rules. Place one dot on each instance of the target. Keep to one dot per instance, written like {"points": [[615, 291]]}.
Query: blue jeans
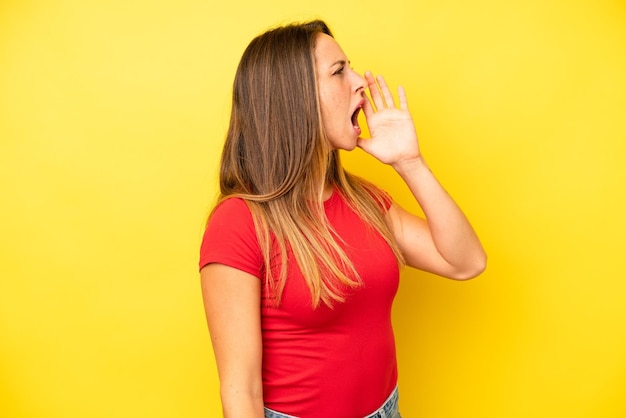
{"points": [[389, 409]]}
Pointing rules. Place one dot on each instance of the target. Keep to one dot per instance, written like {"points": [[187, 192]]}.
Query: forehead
{"points": [[327, 50]]}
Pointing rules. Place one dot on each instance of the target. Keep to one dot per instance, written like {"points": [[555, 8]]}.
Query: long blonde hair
{"points": [[277, 158]]}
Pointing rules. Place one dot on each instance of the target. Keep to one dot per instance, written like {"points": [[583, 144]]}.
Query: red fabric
{"points": [[332, 363]]}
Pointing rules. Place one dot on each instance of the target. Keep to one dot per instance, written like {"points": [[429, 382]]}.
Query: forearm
{"points": [[238, 405], [445, 243], [451, 232]]}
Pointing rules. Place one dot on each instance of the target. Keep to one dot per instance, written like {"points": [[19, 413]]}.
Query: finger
{"points": [[404, 103], [385, 90], [374, 92], [364, 144]]}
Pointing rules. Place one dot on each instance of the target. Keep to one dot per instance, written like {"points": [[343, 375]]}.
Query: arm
{"points": [[444, 243], [232, 301]]}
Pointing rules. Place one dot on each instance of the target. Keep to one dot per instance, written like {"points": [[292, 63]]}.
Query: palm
{"points": [[392, 132]]}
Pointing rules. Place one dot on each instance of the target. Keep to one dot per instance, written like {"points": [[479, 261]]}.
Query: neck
{"points": [[328, 191]]}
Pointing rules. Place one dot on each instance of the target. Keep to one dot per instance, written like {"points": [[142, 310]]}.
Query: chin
{"points": [[345, 144], [350, 147]]}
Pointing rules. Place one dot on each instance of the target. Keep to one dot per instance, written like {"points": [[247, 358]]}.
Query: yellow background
{"points": [[112, 116]]}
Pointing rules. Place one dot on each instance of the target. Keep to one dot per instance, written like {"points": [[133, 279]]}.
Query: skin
{"points": [[443, 243], [341, 92]]}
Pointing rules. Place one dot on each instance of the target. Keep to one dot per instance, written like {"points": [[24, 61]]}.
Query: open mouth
{"points": [[355, 117]]}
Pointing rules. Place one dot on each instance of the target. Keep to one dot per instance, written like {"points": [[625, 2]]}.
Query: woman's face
{"points": [[341, 92]]}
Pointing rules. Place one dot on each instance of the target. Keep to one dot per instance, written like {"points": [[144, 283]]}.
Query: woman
{"points": [[300, 260]]}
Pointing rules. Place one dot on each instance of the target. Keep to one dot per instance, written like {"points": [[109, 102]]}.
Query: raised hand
{"points": [[393, 139]]}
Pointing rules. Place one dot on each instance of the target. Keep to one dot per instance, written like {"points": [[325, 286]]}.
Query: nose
{"points": [[359, 82]]}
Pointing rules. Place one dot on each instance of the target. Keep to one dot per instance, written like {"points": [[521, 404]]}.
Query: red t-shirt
{"points": [[323, 362]]}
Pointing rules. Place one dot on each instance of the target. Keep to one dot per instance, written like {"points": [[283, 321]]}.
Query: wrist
{"points": [[410, 165]]}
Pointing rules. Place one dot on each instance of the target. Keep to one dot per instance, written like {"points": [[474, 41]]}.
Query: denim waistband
{"points": [[389, 409]]}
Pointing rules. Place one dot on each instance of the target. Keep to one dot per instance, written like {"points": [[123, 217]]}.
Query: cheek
{"points": [[326, 105], [328, 100], [323, 96]]}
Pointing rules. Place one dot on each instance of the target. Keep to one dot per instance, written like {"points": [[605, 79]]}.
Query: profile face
{"points": [[341, 93]]}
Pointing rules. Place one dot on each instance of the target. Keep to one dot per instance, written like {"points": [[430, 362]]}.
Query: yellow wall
{"points": [[112, 116]]}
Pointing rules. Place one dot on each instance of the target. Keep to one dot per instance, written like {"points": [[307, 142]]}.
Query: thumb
{"points": [[365, 144]]}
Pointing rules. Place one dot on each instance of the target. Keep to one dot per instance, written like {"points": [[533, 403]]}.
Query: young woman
{"points": [[300, 260]]}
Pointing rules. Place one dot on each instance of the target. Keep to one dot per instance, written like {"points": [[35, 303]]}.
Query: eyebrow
{"points": [[340, 62]]}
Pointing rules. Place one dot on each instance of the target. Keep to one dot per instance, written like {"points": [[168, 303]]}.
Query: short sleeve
{"points": [[230, 239]]}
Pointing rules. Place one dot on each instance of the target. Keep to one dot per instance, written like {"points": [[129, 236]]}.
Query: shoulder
{"points": [[366, 191], [231, 216], [230, 213], [380, 196], [230, 237], [369, 192], [230, 207]]}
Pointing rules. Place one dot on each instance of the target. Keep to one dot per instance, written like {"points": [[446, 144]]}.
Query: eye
{"points": [[339, 71]]}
